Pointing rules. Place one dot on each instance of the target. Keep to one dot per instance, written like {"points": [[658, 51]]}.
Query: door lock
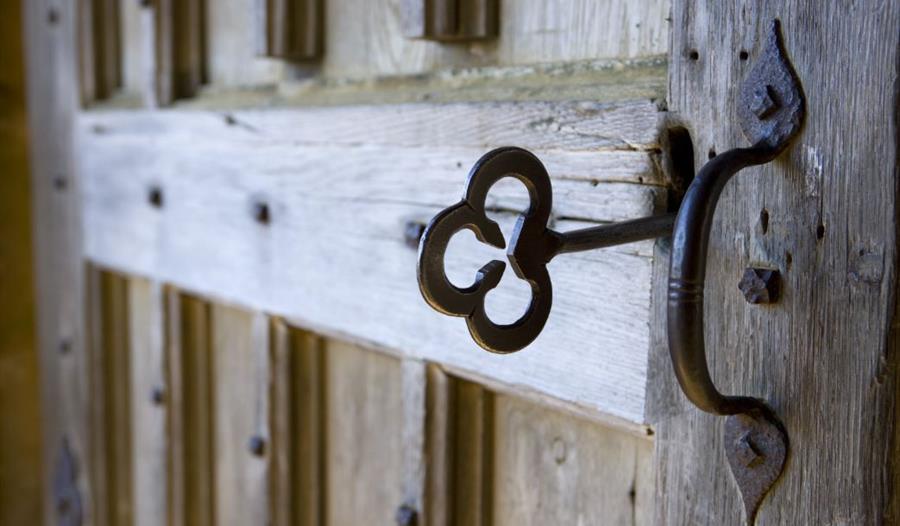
{"points": [[770, 112]]}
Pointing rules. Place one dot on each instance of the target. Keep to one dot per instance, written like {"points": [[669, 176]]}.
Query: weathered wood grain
{"points": [[99, 48], [51, 51], [179, 49], [240, 346], [192, 469], [364, 454], [333, 256], [552, 468], [449, 20], [111, 469], [290, 29], [148, 395], [825, 356]]}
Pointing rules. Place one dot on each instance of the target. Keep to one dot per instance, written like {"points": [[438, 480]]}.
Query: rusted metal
{"points": [[66, 497], [756, 446], [532, 246], [760, 285], [771, 112]]}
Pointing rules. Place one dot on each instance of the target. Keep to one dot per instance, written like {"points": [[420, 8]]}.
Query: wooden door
{"points": [[228, 195]]}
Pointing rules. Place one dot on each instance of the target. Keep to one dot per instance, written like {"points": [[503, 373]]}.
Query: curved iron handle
{"points": [[687, 273]]}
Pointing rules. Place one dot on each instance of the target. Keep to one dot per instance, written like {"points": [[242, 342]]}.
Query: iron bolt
{"points": [[760, 285], [747, 452], [257, 445], [406, 516], [763, 104], [412, 233]]}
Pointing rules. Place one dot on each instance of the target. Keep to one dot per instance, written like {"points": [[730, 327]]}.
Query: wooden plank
{"points": [[368, 38], [110, 414], [364, 426], [290, 29], [449, 20], [241, 369], [51, 51], [21, 462], [191, 473], [297, 428], [473, 454], [99, 47], [233, 57], [413, 433], [148, 393], [243, 163], [180, 49], [438, 447], [552, 468], [825, 356], [294, 264]]}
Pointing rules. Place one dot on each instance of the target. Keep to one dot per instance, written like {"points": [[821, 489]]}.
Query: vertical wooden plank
{"points": [[241, 365], [180, 49], [297, 427], [438, 447], [51, 52], [364, 426], [99, 49], [473, 461], [553, 468], [449, 20], [148, 393], [290, 29], [825, 356], [110, 420], [413, 379], [20, 451], [191, 466], [459, 451]]}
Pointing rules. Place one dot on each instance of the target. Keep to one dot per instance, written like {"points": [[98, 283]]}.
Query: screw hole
{"points": [[694, 55], [820, 231], [155, 197], [788, 260], [60, 183], [712, 153], [52, 16], [744, 55], [764, 220], [261, 213]]}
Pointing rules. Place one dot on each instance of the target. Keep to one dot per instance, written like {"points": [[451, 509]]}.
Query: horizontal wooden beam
{"points": [[177, 196]]}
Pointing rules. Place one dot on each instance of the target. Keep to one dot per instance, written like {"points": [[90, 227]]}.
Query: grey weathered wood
{"points": [[413, 433], [332, 203], [52, 71], [825, 356], [364, 453], [552, 468], [240, 341], [146, 308]]}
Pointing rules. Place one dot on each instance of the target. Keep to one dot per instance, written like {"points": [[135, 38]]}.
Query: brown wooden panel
{"points": [[180, 49], [364, 451], [20, 442], [110, 408], [99, 48], [191, 473], [297, 427], [290, 29]]}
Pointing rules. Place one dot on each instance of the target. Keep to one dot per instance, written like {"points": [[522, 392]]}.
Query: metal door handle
{"points": [[771, 112]]}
